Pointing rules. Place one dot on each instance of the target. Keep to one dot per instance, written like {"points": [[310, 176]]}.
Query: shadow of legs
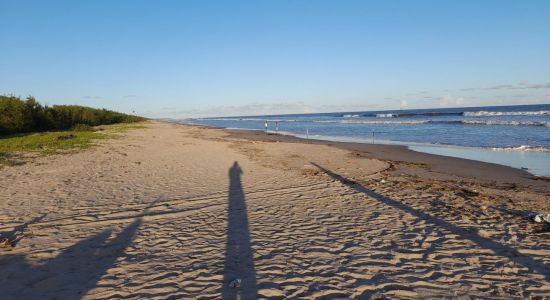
{"points": [[239, 260]]}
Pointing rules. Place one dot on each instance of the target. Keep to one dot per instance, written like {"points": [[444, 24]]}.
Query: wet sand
{"points": [[438, 166], [175, 211]]}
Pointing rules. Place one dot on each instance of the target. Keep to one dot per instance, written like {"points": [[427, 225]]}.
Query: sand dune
{"points": [[179, 212]]}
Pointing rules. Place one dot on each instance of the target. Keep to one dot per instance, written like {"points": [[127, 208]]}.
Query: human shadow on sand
{"points": [[71, 274], [239, 260], [483, 242]]}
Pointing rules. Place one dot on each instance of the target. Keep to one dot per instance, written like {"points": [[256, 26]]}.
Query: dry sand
{"points": [[179, 212]]}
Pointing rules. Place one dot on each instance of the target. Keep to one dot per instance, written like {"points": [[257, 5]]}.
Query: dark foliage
{"points": [[18, 116]]}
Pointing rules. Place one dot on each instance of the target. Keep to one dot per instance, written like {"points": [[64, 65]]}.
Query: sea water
{"points": [[517, 136]]}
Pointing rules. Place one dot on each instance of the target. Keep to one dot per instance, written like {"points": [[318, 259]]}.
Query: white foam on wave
{"points": [[384, 122], [523, 148], [483, 113], [385, 115], [393, 122], [351, 116], [506, 123], [251, 119]]}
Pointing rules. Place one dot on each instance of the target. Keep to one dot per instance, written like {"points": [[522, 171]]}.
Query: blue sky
{"points": [[198, 58]]}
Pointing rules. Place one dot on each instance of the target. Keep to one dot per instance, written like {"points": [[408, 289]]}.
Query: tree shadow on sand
{"points": [[483, 242], [239, 260], [71, 274]]}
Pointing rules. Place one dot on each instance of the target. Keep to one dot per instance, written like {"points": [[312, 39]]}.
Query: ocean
{"points": [[516, 136]]}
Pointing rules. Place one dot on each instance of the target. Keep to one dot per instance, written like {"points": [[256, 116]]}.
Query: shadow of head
{"points": [[235, 170]]}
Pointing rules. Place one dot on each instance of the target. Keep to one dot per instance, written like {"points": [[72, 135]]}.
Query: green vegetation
{"points": [[49, 142], [83, 127], [20, 116], [15, 149], [121, 127], [18, 120]]}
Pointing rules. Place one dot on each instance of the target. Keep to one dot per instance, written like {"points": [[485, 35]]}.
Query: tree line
{"points": [[19, 116]]}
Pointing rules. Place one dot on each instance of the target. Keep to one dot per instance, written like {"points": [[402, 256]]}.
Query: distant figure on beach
{"points": [[276, 126], [266, 126]]}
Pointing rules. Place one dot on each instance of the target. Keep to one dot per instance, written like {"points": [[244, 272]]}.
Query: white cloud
{"points": [[451, 101], [262, 109], [518, 86]]}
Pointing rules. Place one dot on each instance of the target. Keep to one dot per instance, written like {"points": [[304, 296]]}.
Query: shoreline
{"points": [[427, 164], [534, 159]]}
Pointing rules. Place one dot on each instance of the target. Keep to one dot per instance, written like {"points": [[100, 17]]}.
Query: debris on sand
{"points": [[539, 218], [6, 243], [467, 193], [235, 283]]}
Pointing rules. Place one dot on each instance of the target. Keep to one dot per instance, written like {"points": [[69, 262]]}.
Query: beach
{"points": [[177, 211], [514, 136]]}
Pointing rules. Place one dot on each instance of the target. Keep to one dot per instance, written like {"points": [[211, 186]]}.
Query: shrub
{"points": [[18, 116], [83, 127]]}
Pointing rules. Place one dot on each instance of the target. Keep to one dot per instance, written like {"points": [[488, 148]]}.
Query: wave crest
{"points": [[483, 113], [506, 123], [524, 148]]}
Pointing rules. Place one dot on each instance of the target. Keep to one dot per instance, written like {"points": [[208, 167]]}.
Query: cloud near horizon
{"points": [[451, 101], [519, 86], [425, 102], [499, 95], [263, 109]]}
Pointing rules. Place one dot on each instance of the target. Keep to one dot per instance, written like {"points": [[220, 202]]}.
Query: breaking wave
{"points": [[405, 115], [465, 122], [506, 123], [386, 115], [524, 148], [483, 113], [383, 122], [398, 122]]}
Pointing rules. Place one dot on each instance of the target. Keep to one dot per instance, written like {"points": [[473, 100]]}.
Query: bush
{"points": [[18, 116], [83, 127]]}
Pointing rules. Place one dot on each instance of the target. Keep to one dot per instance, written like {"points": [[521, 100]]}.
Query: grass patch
{"points": [[7, 160], [83, 127], [14, 149], [122, 127], [49, 142]]}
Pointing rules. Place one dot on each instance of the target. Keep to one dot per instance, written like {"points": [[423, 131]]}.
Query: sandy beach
{"points": [[182, 212]]}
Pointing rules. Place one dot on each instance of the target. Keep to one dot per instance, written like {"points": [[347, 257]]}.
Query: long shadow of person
{"points": [[71, 274], [239, 260], [497, 248]]}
